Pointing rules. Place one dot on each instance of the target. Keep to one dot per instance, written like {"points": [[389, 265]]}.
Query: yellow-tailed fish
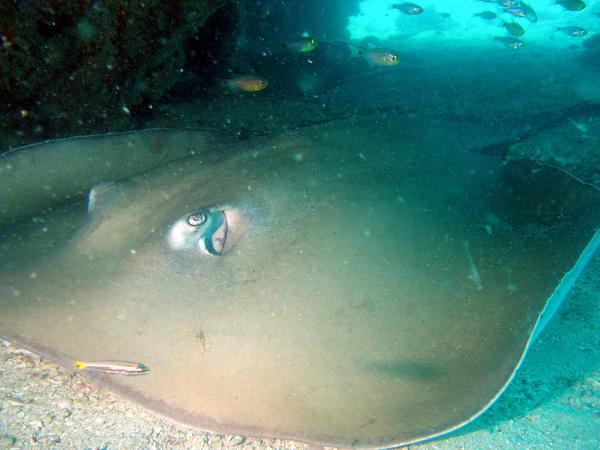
{"points": [[510, 42], [113, 367], [246, 83], [573, 31], [411, 9], [506, 3], [301, 44], [380, 56], [522, 10]]}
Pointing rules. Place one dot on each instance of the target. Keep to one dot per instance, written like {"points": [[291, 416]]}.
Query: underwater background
{"points": [[507, 79]]}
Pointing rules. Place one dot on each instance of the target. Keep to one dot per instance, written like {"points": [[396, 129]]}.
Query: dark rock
{"points": [[591, 52], [81, 66]]}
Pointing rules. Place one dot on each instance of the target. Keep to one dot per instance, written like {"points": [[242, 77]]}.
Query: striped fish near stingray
{"points": [[113, 367], [380, 290]]}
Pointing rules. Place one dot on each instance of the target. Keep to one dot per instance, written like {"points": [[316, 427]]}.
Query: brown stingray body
{"points": [[374, 288]]}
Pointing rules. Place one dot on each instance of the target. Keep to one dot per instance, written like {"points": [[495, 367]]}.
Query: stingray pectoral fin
{"points": [[34, 180]]}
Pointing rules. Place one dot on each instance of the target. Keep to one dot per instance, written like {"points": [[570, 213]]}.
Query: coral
{"points": [[76, 66]]}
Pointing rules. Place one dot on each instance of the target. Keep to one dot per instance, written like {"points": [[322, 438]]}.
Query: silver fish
{"points": [[573, 31], [510, 42]]}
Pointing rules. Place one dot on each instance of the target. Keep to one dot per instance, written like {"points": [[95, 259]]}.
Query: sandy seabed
{"points": [[553, 403]]}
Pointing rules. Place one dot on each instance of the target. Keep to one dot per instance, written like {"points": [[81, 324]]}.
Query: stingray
{"points": [[497, 137], [360, 283]]}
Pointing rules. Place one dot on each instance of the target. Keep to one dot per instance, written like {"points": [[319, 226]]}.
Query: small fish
{"points": [[507, 3], [522, 10], [245, 83], [412, 9], [515, 11], [573, 31], [510, 42], [487, 15], [571, 5], [530, 14], [301, 44], [514, 29], [113, 367], [380, 56]]}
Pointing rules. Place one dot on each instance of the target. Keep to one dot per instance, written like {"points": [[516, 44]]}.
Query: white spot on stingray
{"points": [[178, 234], [580, 126], [473, 272]]}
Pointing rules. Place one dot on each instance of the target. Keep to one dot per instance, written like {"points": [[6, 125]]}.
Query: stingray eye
{"points": [[197, 219]]}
